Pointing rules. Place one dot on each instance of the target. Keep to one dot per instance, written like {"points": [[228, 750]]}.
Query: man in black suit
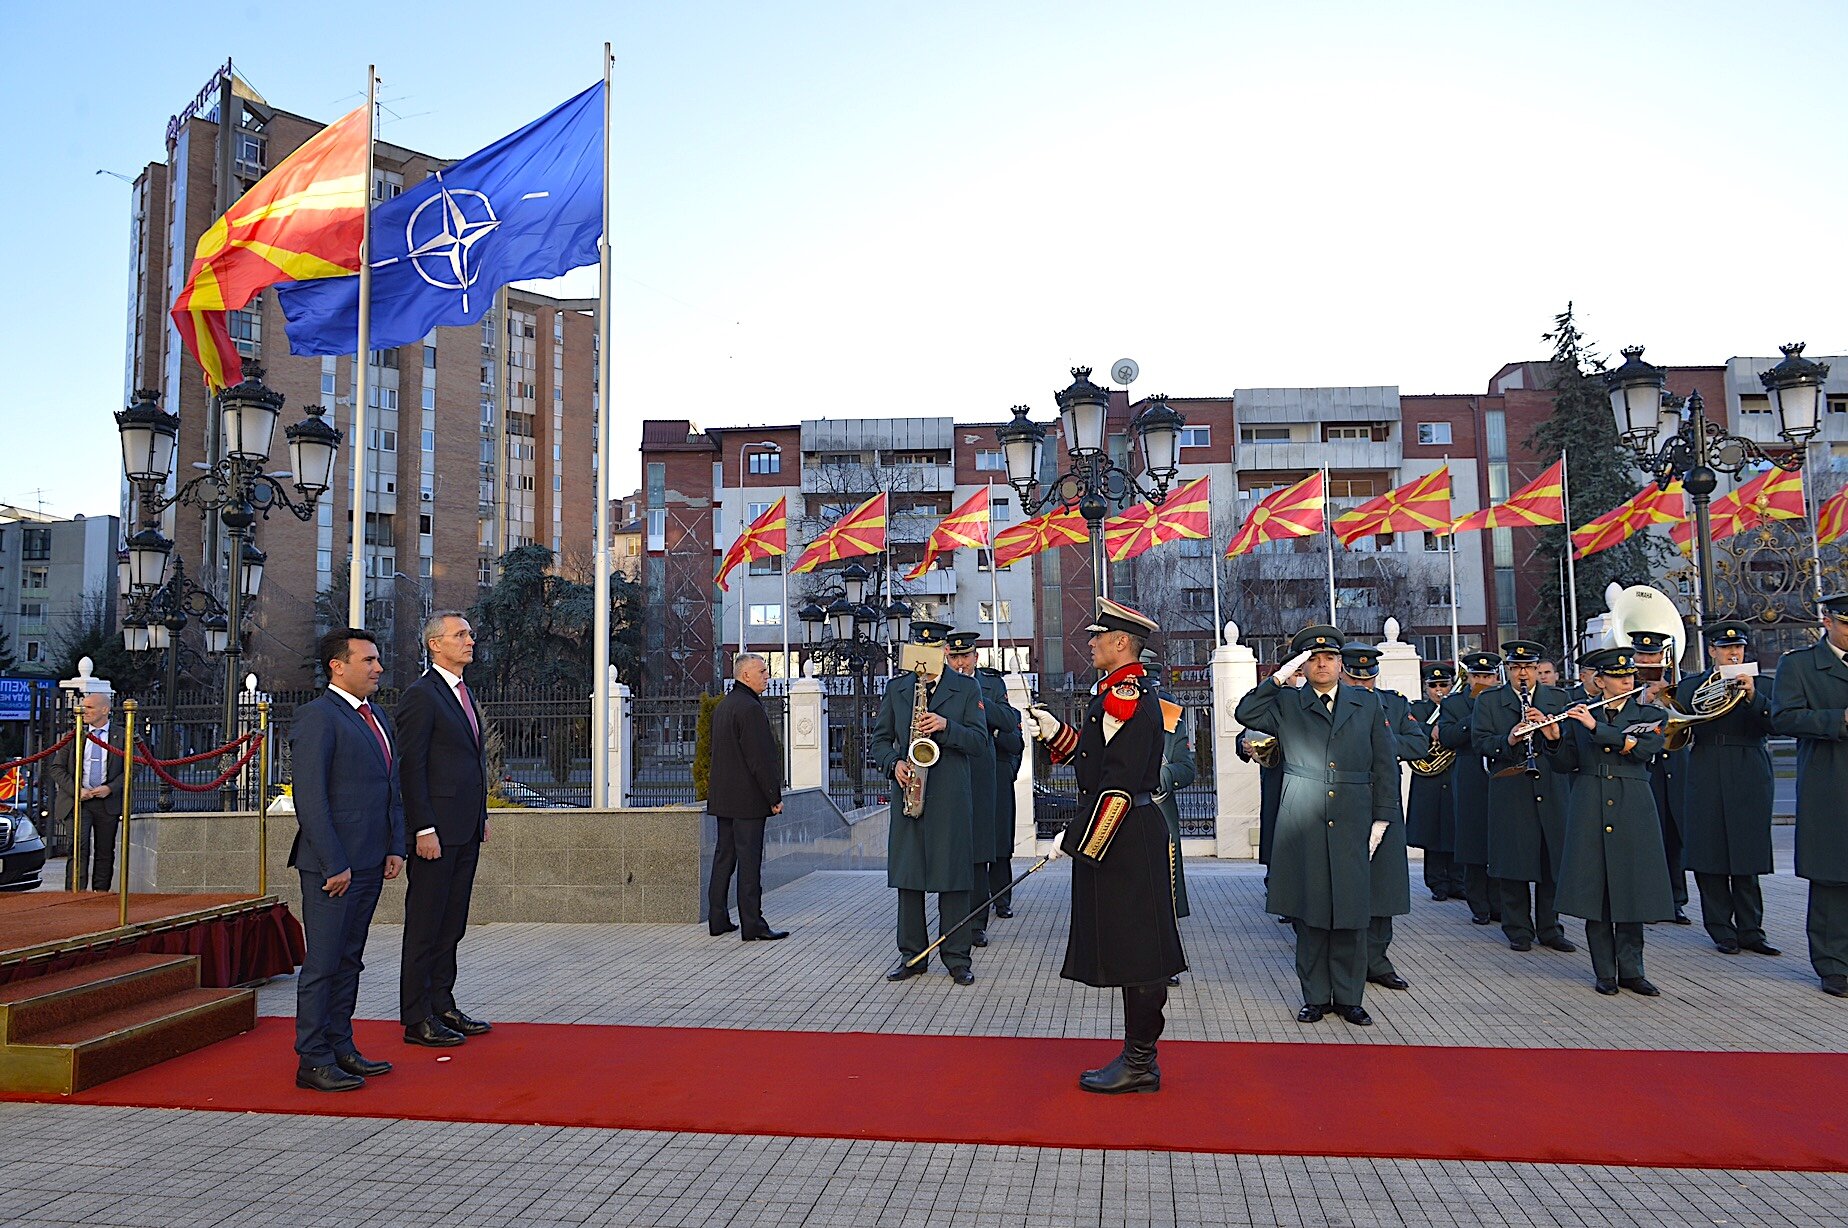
{"points": [[100, 798], [445, 777], [746, 789], [345, 785]]}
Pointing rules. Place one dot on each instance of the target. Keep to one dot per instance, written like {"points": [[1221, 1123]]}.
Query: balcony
{"points": [[1313, 454], [864, 480], [937, 582]]}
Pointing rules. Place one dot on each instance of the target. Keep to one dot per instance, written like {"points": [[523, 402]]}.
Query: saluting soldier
{"points": [[1668, 774], [1613, 874], [1431, 810], [1470, 785], [1340, 798], [1811, 705], [959, 655], [934, 852], [1389, 880], [1123, 932], [1178, 770], [1527, 801], [1010, 748], [1730, 793]]}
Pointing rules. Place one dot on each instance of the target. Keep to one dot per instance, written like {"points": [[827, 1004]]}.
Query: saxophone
{"points": [[923, 751]]}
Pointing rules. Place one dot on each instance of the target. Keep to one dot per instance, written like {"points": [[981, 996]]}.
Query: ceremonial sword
{"points": [[923, 955]]}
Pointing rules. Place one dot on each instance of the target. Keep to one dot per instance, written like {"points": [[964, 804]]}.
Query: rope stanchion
{"points": [[128, 805], [47, 753], [217, 782], [147, 752], [263, 772]]}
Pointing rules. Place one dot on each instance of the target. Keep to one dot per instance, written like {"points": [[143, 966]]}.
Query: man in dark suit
{"points": [[746, 789], [1810, 704], [444, 773], [101, 794], [345, 785]]}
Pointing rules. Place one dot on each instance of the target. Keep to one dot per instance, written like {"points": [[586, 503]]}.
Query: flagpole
{"points": [[1328, 537], [1568, 663], [1813, 502], [1570, 635], [601, 790], [362, 451], [994, 575], [1450, 550]]}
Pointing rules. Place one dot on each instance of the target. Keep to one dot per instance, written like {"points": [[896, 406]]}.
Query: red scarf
{"points": [[1115, 705]]}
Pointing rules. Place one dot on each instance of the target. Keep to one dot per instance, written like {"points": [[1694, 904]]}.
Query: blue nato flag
{"points": [[528, 206]]}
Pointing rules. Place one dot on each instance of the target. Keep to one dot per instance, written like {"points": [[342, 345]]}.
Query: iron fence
{"points": [[666, 739], [854, 780], [1056, 784]]}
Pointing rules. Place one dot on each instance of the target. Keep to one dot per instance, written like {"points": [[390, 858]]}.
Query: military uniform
{"points": [[1470, 787], [1811, 705], [1178, 770], [1340, 780], [1431, 810], [982, 777], [934, 852], [1668, 780], [1526, 806], [1613, 873], [1010, 748], [1270, 796], [1730, 794]]}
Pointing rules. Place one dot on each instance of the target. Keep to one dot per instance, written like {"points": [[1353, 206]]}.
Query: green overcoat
{"points": [[1010, 748], [1614, 868], [1526, 814], [1730, 787], [1808, 704], [1391, 879], [1178, 770], [936, 850], [1469, 782], [1430, 811]]}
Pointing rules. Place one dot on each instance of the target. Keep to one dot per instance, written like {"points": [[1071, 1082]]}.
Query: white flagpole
{"points": [[1563, 622], [994, 574], [1328, 536], [1456, 628], [789, 671], [1565, 494], [603, 791], [362, 453]]}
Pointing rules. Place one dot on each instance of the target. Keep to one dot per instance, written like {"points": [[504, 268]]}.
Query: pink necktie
{"points": [[372, 722], [468, 709]]}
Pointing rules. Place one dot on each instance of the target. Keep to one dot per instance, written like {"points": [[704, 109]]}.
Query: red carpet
{"points": [[1562, 1106]]}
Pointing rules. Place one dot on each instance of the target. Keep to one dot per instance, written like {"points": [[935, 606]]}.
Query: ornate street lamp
{"points": [[148, 437], [148, 552]]}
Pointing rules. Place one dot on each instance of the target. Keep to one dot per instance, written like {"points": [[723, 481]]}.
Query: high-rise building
{"points": [[55, 576]]}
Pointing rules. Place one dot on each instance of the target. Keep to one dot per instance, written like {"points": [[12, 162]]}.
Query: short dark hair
{"points": [[334, 646]]}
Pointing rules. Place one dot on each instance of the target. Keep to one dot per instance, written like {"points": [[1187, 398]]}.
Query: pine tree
{"points": [[1602, 475], [7, 659]]}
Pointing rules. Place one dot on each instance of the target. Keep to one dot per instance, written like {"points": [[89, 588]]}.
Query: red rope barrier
{"points": [[223, 777], [146, 752], [49, 751]]}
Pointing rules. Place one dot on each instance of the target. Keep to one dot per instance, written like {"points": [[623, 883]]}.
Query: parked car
{"points": [[22, 850], [517, 794], [1052, 810]]}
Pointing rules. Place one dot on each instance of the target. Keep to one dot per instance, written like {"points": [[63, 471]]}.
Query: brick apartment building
{"points": [[480, 439]]}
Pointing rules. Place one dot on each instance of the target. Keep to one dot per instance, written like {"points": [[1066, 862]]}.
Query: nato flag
{"points": [[528, 206]]}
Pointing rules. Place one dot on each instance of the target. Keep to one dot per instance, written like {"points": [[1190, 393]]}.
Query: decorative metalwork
{"points": [[1768, 576]]}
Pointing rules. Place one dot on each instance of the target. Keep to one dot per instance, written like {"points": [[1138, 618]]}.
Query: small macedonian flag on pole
{"points": [[966, 526], [1187, 513], [1540, 502], [1422, 505], [1059, 527], [861, 531], [766, 537], [1294, 511]]}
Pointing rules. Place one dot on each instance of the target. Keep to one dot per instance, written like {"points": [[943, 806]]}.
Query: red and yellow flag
{"points": [[1832, 518], [1540, 502], [9, 785], [766, 537], [861, 531], [1650, 505], [301, 221], [1059, 527], [1423, 505], [966, 526], [1294, 511], [1186, 513], [1772, 495]]}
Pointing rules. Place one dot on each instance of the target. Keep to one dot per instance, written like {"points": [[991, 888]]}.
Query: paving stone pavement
{"points": [[62, 1164]]}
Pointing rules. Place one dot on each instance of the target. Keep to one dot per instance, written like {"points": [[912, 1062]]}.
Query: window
{"points": [[246, 328], [1196, 599], [32, 611], [1196, 437], [1838, 405], [484, 572], [1000, 511], [1437, 595], [753, 510], [429, 355], [323, 560], [429, 441], [425, 567], [1754, 403], [382, 398], [1348, 433], [1434, 544], [1355, 597], [36, 577], [767, 615], [994, 611], [249, 151], [925, 611], [385, 441], [423, 524], [428, 400], [984, 559], [35, 650], [765, 462], [1264, 434], [35, 546], [327, 383], [384, 358], [657, 528], [1432, 647], [994, 461], [1434, 433], [1351, 488], [386, 184], [772, 566], [1196, 548]]}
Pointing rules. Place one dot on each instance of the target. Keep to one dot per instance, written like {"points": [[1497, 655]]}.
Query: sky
{"points": [[871, 210]]}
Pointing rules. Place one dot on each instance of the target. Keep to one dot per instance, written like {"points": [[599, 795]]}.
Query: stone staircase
{"points": [[67, 1031]]}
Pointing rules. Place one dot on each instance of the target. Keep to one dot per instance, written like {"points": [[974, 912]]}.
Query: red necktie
{"points": [[372, 722], [468, 709]]}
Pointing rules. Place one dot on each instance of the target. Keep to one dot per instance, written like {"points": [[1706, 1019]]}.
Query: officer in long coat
{"points": [[1390, 880], [1178, 770], [1730, 794], [1668, 774], [1340, 798], [1527, 800], [1431, 810], [1470, 785], [959, 655], [1811, 704], [934, 852], [1010, 748], [1123, 931], [1614, 873]]}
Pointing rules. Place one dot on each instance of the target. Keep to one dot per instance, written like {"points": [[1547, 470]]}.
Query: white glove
{"points": [[1379, 834], [1058, 848], [1291, 668], [1045, 724]]}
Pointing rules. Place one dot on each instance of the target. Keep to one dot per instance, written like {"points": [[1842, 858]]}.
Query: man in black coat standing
{"points": [[444, 776], [746, 789]]}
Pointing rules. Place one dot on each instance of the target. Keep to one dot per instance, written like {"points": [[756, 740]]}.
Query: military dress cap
{"points": [[1438, 671], [1360, 660], [1317, 638], [1481, 661], [929, 632], [1649, 641], [1837, 605], [1615, 662], [1523, 652], [961, 641], [1115, 616], [1720, 635]]}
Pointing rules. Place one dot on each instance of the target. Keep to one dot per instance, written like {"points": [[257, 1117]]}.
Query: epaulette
{"points": [[1171, 713]]}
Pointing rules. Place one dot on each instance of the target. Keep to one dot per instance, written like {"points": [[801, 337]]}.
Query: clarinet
{"points": [[1533, 764]]}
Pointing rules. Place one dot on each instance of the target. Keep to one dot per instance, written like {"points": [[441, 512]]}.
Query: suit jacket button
{"points": [[1607, 829]]}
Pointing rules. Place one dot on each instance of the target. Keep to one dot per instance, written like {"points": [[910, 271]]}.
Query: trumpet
{"points": [[1527, 728], [1263, 749], [1441, 758]]}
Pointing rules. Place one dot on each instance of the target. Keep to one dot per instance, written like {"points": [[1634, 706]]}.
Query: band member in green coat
{"points": [[1010, 748], [935, 851], [1390, 877], [1613, 873], [1178, 770], [1431, 810], [1730, 793], [959, 655], [1527, 801], [1811, 704], [1340, 798], [1470, 786], [1668, 774]]}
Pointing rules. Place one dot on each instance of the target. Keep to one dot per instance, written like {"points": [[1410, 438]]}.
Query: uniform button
{"points": [[1331, 793], [1331, 767], [1539, 798], [1611, 803], [1331, 822], [1608, 829]]}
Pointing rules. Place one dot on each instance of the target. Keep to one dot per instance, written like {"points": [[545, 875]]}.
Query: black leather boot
{"points": [[1134, 1071]]}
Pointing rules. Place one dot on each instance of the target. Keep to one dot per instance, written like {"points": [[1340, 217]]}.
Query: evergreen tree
{"points": [[7, 659], [534, 627], [1601, 473]]}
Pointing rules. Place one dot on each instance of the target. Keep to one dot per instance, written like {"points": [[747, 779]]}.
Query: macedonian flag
{"points": [[1832, 518], [9, 785], [1423, 505], [861, 531], [1294, 511], [766, 537], [1541, 501], [966, 526], [301, 221], [1772, 495], [1186, 513], [1650, 505], [1059, 527]]}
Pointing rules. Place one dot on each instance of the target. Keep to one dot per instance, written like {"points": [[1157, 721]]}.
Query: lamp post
{"points": [[851, 633], [236, 486], [1094, 484], [1696, 449]]}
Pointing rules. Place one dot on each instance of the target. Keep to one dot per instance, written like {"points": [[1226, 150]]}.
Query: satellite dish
{"points": [[1124, 371]]}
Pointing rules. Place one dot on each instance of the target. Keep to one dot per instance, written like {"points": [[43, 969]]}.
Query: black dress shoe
{"points": [[905, 972], [767, 936], [1479, 919], [1311, 1013], [1520, 944], [1003, 911], [1439, 896], [1356, 1015], [356, 1064], [1726, 948], [1639, 985], [431, 1035], [462, 1025], [1391, 980], [979, 938], [1173, 981], [1681, 918], [720, 930], [1836, 986], [963, 976], [327, 1079], [1284, 920], [1607, 988], [1762, 947], [1559, 944]]}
